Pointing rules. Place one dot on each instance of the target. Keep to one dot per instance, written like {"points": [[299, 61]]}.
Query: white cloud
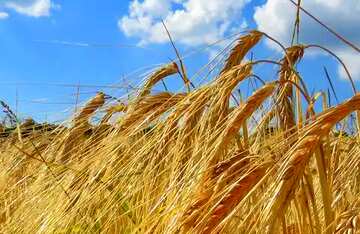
{"points": [[3, 15], [276, 17], [351, 59], [190, 22], [34, 8]]}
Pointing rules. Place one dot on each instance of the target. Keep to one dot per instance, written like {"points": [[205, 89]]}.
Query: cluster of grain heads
{"points": [[146, 110], [165, 162], [221, 93], [298, 157], [230, 76], [213, 174]]}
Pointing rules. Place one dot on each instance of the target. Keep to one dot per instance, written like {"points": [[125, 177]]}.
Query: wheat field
{"points": [[193, 161]]}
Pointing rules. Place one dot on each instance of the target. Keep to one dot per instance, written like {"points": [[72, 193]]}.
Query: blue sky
{"points": [[48, 47]]}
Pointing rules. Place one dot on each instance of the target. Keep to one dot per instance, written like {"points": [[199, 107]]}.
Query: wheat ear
{"points": [[300, 153], [90, 107], [244, 44], [286, 112], [158, 75]]}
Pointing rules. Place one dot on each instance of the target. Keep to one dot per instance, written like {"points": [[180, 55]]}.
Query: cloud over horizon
{"points": [[32, 8], [3, 15], [191, 22], [276, 17]]}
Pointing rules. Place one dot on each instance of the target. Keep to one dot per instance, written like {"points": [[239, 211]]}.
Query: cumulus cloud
{"points": [[351, 59], [276, 17], [191, 22], [33, 8], [3, 15]]}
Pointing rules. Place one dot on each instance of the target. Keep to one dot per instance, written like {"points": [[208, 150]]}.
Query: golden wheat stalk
{"points": [[90, 107], [238, 116], [221, 91], [300, 153], [232, 127], [121, 107], [244, 44], [157, 76], [285, 109], [148, 109], [232, 198]]}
